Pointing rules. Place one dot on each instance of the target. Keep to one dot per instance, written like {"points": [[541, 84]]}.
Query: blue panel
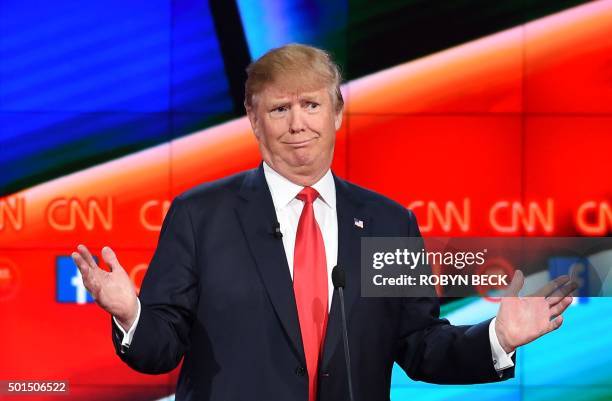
{"points": [[578, 353], [69, 284], [455, 393], [86, 82], [199, 83], [51, 143], [564, 392], [93, 56], [578, 267], [571, 363], [269, 23]]}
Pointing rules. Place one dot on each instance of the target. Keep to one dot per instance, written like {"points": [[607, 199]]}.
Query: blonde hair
{"points": [[294, 66]]}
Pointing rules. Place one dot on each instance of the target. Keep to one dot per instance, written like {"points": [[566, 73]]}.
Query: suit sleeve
{"points": [[430, 349], [168, 298]]}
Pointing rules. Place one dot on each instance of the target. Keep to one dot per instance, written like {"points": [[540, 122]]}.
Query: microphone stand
{"points": [[339, 281]]}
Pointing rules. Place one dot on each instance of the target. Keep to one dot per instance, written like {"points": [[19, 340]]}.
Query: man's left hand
{"points": [[521, 320]]}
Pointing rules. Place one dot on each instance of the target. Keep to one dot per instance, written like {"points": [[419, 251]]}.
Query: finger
{"points": [[111, 259], [516, 284], [574, 272], [87, 272], [551, 286], [86, 255], [560, 307], [82, 265], [561, 293], [555, 323]]}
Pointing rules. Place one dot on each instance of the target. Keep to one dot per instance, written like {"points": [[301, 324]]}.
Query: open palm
{"points": [[521, 320], [112, 290]]}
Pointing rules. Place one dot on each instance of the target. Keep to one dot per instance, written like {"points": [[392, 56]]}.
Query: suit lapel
{"points": [[348, 209], [257, 216]]}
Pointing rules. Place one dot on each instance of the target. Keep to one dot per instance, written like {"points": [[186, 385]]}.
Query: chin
{"points": [[303, 156]]}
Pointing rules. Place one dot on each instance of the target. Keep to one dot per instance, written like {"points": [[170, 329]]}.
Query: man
{"points": [[240, 284]]}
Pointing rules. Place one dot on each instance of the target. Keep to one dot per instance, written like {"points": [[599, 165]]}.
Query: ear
{"points": [[338, 119]]}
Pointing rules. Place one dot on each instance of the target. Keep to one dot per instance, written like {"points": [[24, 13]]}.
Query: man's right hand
{"points": [[113, 291]]}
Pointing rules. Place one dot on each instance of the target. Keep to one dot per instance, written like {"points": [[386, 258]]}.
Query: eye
{"points": [[278, 111], [311, 106]]}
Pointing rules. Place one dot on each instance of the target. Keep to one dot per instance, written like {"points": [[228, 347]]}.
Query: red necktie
{"points": [[310, 286]]}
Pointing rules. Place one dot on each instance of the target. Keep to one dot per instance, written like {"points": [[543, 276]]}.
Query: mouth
{"points": [[299, 144]]}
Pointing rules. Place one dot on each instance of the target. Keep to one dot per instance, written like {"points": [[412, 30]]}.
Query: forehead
{"points": [[276, 92]]}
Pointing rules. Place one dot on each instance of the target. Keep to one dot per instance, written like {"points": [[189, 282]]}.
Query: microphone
{"points": [[339, 281], [276, 231]]}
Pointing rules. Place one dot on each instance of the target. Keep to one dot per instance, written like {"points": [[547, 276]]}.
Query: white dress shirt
{"points": [[288, 210]]}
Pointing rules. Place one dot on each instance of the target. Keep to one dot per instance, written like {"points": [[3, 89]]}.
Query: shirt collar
{"points": [[284, 191]]}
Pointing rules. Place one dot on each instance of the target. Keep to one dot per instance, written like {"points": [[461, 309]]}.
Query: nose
{"points": [[296, 120]]}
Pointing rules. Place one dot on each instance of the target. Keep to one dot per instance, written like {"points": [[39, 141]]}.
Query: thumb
{"points": [[111, 259], [516, 284]]}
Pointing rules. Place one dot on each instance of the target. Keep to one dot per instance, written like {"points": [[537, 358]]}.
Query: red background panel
{"points": [[32, 319], [120, 188], [569, 159], [439, 158], [225, 150]]}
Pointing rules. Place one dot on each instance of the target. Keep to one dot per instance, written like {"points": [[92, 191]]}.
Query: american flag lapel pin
{"points": [[358, 222]]}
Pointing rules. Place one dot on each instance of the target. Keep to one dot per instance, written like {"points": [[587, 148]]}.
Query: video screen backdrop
{"points": [[485, 118]]}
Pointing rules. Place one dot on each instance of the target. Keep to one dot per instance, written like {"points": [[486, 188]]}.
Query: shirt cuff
{"points": [[501, 360], [127, 337]]}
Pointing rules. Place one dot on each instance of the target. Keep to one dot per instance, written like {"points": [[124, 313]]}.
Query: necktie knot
{"points": [[308, 195]]}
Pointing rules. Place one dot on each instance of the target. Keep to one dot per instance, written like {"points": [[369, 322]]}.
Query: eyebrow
{"points": [[310, 97], [278, 103], [286, 101]]}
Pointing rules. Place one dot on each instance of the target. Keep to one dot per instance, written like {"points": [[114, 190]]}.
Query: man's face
{"points": [[296, 131]]}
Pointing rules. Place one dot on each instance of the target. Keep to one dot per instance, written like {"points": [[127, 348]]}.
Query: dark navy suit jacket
{"points": [[219, 294]]}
